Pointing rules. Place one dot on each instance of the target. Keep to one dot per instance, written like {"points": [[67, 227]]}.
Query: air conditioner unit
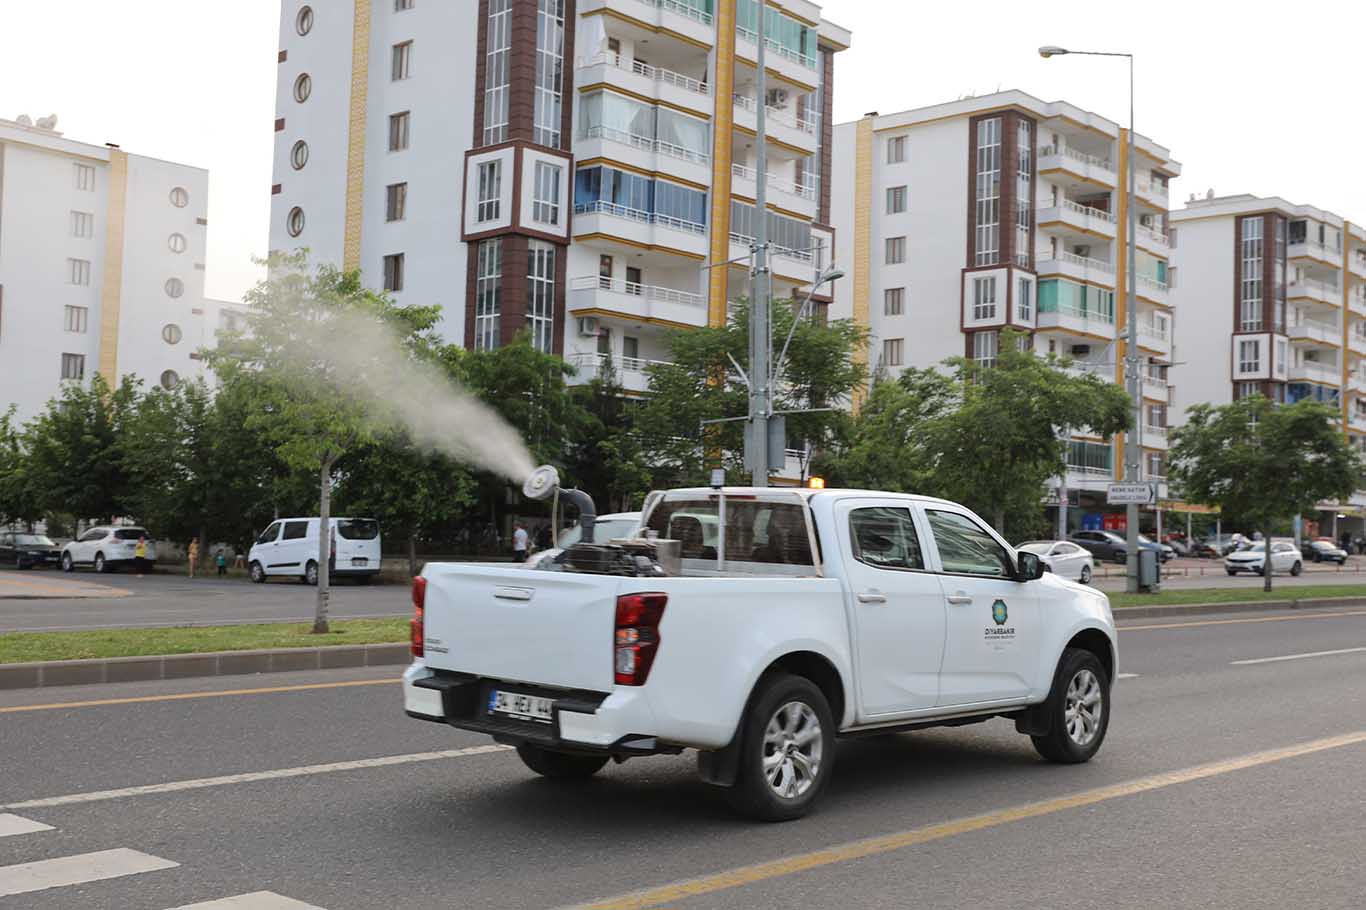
{"points": [[588, 326], [1081, 350], [777, 97]]}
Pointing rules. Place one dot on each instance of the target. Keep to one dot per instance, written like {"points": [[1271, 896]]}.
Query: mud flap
{"points": [[720, 767]]}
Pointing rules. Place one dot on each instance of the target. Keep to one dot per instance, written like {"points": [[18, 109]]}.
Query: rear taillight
{"points": [[637, 636], [415, 625]]}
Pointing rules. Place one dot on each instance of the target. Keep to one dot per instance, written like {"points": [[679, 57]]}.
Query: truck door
{"points": [[992, 637], [897, 606]]}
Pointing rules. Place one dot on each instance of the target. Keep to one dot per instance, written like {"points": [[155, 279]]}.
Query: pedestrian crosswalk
{"points": [[85, 868]]}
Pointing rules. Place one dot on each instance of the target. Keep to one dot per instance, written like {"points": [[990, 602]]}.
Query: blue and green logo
{"points": [[998, 612]]}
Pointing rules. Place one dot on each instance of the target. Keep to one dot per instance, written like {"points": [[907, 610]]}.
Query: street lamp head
{"points": [[1052, 50], [832, 275]]}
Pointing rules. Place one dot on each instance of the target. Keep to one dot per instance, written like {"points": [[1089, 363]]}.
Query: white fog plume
{"points": [[368, 364]]}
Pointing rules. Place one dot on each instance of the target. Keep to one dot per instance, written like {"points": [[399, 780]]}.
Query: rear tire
{"points": [[1086, 575], [560, 765], [1231, 572], [1297, 568], [1078, 709], [311, 574], [258, 574], [67, 564], [100, 567], [787, 750]]}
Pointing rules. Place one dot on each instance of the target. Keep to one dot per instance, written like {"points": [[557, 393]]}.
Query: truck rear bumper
{"points": [[581, 721]]}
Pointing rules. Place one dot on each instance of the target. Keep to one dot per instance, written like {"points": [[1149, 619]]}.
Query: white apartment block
{"points": [[965, 218], [558, 167], [101, 266]]}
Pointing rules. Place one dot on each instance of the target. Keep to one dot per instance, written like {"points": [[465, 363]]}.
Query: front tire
{"points": [[1231, 572], [311, 574], [560, 765], [1297, 568], [787, 750], [67, 564], [1079, 709], [1086, 575], [258, 574]]}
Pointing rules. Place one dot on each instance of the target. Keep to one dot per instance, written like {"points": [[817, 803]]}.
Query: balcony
{"points": [[1358, 266], [1078, 164], [1314, 252], [787, 263], [631, 373], [1356, 343], [1078, 320], [787, 63], [1356, 382], [1311, 371], [1317, 291], [786, 194], [1153, 241], [640, 227], [644, 152], [1155, 337], [1151, 192], [1152, 289], [1078, 217], [677, 16], [639, 301], [1089, 477], [1357, 421], [1154, 437], [1156, 389], [1357, 304], [1313, 330], [783, 123], [647, 81], [1079, 268]]}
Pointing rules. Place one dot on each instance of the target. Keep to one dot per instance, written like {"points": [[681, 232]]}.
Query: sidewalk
{"points": [[32, 586]]}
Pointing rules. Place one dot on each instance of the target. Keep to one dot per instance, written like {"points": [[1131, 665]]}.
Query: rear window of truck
{"points": [[757, 532]]}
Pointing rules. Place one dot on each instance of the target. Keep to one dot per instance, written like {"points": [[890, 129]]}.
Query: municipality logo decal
{"points": [[998, 612]]}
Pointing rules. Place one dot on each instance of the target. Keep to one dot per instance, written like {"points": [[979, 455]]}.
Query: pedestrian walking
{"points": [[221, 560], [140, 554], [520, 539], [192, 554]]}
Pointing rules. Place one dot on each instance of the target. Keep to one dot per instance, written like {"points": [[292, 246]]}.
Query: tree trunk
{"points": [[1266, 564], [412, 555], [320, 626]]}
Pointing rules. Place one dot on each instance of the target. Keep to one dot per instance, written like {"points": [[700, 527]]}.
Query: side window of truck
{"points": [[885, 538], [966, 549]]}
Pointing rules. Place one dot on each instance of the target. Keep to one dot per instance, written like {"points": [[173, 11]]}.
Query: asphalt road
{"points": [[1184, 807]]}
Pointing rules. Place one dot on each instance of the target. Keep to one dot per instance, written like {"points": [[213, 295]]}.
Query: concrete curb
{"points": [[1250, 606], [189, 666]]}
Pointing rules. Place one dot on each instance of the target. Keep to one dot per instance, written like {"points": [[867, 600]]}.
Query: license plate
{"points": [[359, 561], [515, 704]]}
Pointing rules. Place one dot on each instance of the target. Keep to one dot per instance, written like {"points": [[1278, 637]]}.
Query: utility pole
{"points": [[761, 294], [1132, 453]]}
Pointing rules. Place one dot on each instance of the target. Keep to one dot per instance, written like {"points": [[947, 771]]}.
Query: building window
{"points": [[896, 200], [395, 201], [174, 287], [1024, 192], [1277, 275], [85, 178], [393, 272], [545, 201], [398, 131], [171, 333], [73, 366], [303, 87], [294, 221], [298, 156], [984, 348], [540, 294], [894, 302], [180, 197], [403, 61], [490, 191], [1024, 301], [892, 351], [549, 71], [896, 150], [401, 5], [1249, 356], [496, 71], [170, 379], [983, 298], [78, 272], [303, 23], [488, 292], [82, 224], [1250, 285], [896, 250], [987, 204], [76, 319]]}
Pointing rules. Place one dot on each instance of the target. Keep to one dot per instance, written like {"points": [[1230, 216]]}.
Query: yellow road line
{"points": [[654, 898], [1232, 622], [55, 706]]}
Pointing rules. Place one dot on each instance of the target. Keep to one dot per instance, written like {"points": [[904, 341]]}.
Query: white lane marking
{"points": [[257, 900], [1274, 660], [11, 825], [253, 777], [1127, 676], [77, 870]]}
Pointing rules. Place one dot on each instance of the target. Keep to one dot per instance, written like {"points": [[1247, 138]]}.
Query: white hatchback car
{"points": [[107, 548], [1062, 557], [1284, 558]]}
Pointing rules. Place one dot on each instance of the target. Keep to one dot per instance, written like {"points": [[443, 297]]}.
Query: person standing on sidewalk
{"points": [[520, 539], [221, 560], [192, 554], [140, 554]]}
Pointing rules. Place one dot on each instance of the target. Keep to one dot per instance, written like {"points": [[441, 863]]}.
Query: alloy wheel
{"points": [[792, 749], [1084, 705]]}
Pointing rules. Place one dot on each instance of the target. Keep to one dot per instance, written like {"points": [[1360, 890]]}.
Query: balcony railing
{"points": [[602, 207], [1087, 211], [1090, 470], [795, 56], [784, 186], [1102, 163], [1315, 289], [1152, 187], [1316, 330], [1157, 238], [1152, 284], [1097, 265], [682, 8], [645, 291], [779, 114], [1154, 432], [1311, 371], [1078, 312], [646, 143], [1312, 249], [594, 361], [799, 255], [654, 73], [1153, 332]]}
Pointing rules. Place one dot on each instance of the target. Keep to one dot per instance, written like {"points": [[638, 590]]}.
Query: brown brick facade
{"points": [[827, 132]]}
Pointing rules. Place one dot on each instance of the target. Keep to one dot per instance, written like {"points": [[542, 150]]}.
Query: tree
{"points": [[1264, 461], [702, 384], [18, 502], [606, 459]]}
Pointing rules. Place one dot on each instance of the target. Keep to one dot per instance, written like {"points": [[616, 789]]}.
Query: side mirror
{"points": [[1031, 566]]}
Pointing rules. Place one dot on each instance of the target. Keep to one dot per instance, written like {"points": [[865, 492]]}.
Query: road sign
{"points": [[1123, 494]]}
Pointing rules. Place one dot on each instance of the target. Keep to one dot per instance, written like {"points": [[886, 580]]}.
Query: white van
{"points": [[290, 547]]}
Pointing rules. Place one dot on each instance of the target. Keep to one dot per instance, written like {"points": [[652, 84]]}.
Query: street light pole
{"points": [[760, 401], [1133, 438]]}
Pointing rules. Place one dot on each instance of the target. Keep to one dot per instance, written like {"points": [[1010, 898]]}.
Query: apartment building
{"points": [[562, 167], [1004, 211], [101, 266]]}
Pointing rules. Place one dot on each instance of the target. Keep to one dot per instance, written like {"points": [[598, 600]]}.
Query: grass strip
{"points": [[1184, 596], [27, 647]]}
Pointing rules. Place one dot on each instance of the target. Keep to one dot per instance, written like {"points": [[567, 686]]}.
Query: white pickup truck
{"points": [[795, 617]]}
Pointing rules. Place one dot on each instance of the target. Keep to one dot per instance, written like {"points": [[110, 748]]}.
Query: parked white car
{"points": [[1063, 558], [817, 614], [1284, 558], [289, 547], [106, 549]]}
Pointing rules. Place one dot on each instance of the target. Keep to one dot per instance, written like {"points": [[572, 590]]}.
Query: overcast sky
{"points": [[1250, 97]]}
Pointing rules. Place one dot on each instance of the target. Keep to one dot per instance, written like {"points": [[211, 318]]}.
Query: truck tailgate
{"points": [[546, 628]]}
